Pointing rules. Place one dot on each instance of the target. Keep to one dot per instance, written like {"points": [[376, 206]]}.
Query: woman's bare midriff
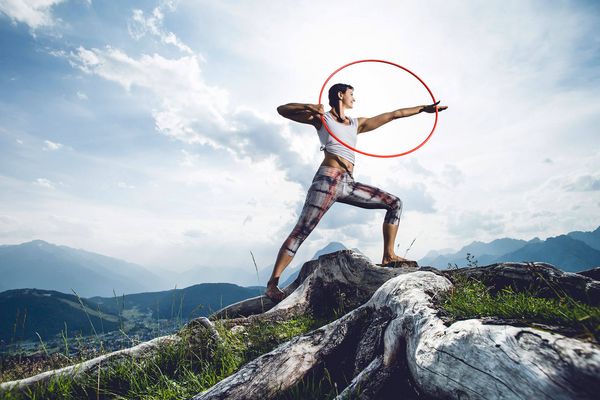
{"points": [[331, 160]]}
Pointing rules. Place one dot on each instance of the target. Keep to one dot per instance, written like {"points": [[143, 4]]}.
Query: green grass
{"points": [[470, 298], [178, 371]]}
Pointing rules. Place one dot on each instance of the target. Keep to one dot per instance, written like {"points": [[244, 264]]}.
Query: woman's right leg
{"points": [[321, 195]]}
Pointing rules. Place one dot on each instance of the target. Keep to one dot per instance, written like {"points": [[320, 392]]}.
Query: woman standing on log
{"points": [[334, 180]]}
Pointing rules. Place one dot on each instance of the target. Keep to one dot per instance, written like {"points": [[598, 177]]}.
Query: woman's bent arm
{"points": [[292, 108], [304, 113]]}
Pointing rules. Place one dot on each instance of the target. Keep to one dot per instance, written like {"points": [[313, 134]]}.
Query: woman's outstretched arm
{"points": [[368, 124]]}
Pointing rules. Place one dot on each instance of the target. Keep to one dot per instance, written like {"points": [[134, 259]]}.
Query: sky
{"points": [[148, 130]]}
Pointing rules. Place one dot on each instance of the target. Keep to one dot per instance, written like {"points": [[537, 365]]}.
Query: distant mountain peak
{"points": [[42, 265], [39, 242]]}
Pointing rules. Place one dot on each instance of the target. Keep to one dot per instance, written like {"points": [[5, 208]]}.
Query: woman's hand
{"points": [[431, 108], [316, 109]]}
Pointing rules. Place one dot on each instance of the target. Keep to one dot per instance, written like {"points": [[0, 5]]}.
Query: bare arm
{"points": [[303, 113], [368, 124]]}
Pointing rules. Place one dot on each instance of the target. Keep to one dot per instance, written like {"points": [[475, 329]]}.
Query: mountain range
{"points": [[42, 265], [23, 312], [38, 278], [573, 252]]}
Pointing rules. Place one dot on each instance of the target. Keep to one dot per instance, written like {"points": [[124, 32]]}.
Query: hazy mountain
{"points": [[42, 265], [190, 302], [562, 251], [47, 311], [431, 254], [573, 252], [592, 239], [206, 274], [26, 311], [332, 247], [485, 253]]}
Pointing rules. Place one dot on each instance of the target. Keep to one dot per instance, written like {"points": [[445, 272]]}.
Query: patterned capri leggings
{"points": [[330, 185]]}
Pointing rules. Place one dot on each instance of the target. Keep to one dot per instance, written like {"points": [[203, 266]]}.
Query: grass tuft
{"points": [[470, 298], [180, 369]]}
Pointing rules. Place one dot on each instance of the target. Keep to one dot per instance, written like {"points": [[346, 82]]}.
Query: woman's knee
{"points": [[394, 211], [396, 203]]}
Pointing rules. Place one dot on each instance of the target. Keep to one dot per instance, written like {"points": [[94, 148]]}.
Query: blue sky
{"points": [[148, 131]]}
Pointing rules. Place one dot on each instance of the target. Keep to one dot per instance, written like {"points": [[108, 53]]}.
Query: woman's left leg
{"points": [[366, 196]]}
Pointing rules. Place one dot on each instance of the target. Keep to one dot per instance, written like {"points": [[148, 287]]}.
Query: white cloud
{"points": [[189, 159], [342, 216], [51, 145], [453, 175], [65, 225], [185, 98], [477, 223], [415, 166], [139, 25], [584, 183], [195, 233], [43, 182], [194, 112], [35, 13], [124, 185], [416, 198], [81, 95], [12, 228]]}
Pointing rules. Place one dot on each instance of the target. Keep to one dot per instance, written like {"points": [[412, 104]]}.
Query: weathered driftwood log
{"points": [[472, 360], [544, 279], [280, 369], [593, 273], [194, 332], [465, 360], [320, 285]]}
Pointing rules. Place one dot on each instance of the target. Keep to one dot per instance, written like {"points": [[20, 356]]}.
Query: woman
{"points": [[334, 180]]}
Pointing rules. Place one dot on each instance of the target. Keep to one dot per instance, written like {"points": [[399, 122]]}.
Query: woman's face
{"points": [[348, 98]]}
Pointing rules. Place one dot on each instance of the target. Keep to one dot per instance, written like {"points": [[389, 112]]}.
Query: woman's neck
{"points": [[341, 117]]}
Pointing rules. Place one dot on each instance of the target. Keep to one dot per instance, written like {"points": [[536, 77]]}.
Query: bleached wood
{"points": [[467, 359]]}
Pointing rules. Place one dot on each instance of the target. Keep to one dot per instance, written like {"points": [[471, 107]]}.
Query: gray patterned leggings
{"points": [[330, 185]]}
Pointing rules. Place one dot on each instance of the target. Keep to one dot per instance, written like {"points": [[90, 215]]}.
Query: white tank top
{"points": [[346, 133]]}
